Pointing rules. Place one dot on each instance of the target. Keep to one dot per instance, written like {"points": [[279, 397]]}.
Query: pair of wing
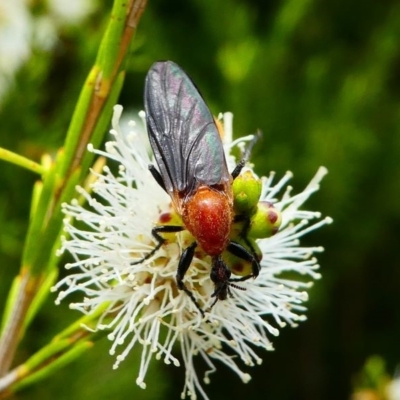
{"points": [[182, 132]]}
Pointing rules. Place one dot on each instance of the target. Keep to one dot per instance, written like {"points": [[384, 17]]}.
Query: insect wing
{"points": [[182, 132]]}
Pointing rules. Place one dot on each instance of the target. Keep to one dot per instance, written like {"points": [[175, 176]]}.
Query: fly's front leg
{"points": [[160, 240], [157, 176]]}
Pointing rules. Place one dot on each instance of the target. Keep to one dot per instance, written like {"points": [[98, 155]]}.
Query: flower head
{"points": [[145, 308]]}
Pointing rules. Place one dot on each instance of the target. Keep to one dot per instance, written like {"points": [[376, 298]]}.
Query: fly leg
{"points": [[184, 264], [240, 251], [157, 176], [162, 228], [160, 240], [186, 256], [243, 252]]}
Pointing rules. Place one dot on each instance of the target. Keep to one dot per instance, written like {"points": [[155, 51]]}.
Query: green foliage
{"points": [[373, 377]]}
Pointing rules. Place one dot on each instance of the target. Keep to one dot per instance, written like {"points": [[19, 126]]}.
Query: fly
{"points": [[192, 169]]}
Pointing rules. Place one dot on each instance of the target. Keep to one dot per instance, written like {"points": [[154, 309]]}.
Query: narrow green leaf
{"points": [[38, 220], [52, 367], [40, 297], [10, 303], [86, 320], [110, 46], [36, 193], [21, 161], [78, 119], [53, 229], [103, 124]]}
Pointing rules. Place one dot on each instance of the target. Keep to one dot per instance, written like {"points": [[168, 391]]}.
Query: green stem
{"points": [[63, 349], [27, 286], [21, 161], [89, 123]]}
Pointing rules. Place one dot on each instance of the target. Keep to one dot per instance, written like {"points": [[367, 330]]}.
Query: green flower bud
{"points": [[246, 193], [170, 217], [265, 222]]}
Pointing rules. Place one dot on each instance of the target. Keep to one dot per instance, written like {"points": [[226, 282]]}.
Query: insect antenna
{"points": [[237, 287], [246, 155], [249, 148]]}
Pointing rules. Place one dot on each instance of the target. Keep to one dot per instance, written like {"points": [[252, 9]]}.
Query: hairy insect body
{"points": [[208, 217]]}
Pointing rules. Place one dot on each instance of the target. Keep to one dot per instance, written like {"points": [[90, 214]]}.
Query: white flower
{"points": [[21, 30], [15, 28], [144, 306], [393, 388]]}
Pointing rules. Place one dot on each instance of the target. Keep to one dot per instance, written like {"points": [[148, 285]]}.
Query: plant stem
{"points": [[30, 279], [12, 332], [21, 161], [102, 86]]}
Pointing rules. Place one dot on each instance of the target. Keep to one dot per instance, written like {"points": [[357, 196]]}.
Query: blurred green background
{"points": [[321, 79]]}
